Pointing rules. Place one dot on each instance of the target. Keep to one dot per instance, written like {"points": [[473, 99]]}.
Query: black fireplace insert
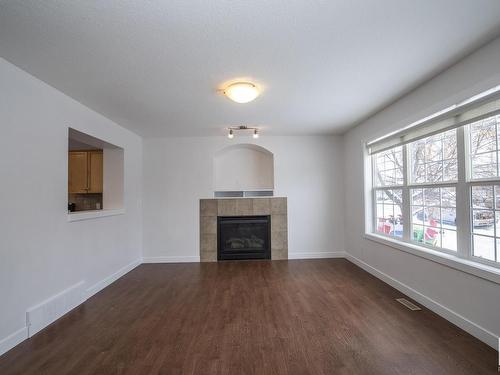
{"points": [[243, 237]]}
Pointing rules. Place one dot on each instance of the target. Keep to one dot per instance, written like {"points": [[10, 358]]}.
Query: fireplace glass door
{"points": [[243, 237]]}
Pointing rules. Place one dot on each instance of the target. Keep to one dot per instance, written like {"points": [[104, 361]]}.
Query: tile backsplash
{"points": [[86, 202]]}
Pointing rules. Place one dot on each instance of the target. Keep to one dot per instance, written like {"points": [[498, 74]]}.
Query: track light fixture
{"points": [[232, 129]]}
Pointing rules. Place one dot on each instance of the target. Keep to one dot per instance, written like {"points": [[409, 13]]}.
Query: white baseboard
{"points": [[194, 259], [173, 259], [13, 339], [40, 316], [96, 288], [48, 311], [475, 330], [318, 255]]}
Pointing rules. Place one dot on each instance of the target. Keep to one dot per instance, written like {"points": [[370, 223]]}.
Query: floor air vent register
{"points": [[408, 304]]}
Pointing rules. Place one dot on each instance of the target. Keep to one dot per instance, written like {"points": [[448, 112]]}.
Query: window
{"points": [[389, 212], [388, 172], [485, 210], [389, 167], [434, 159], [433, 217], [484, 148], [441, 191]]}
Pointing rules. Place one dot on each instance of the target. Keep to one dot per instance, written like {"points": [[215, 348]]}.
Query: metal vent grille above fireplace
{"points": [[243, 194]]}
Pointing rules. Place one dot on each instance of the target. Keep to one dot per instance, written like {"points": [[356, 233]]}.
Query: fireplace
{"points": [[243, 237], [274, 209]]}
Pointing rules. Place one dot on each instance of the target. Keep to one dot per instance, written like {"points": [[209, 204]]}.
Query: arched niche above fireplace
{"points": [[244, 167]]}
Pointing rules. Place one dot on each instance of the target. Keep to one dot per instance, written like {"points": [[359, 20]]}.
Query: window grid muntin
{"points": [[376, 182], [495, 151], [463, 194], [446, 135], [440, 228], [495, 237], [393, 205]]}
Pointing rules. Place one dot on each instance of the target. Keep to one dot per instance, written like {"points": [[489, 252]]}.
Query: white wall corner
{"points": [[468, 326], [13, 339]]}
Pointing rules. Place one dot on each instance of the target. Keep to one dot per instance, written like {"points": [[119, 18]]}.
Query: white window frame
{"points": [[469, 161], [494, 209], [488, 181], [464, 254], [408, 207], [388, 187], [441, 184]]}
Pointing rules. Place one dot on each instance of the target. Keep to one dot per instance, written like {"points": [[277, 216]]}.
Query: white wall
{"points": [[179, 171], [113, 174], [459, 294], [243, 167], [41, 253]]}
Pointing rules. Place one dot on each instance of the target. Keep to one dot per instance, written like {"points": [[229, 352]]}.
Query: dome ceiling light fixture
{"points": [[241, 92], [232, 129]]}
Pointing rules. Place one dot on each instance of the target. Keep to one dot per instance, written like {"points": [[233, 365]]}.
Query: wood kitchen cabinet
{"points": [[85, 172], [95, 171]]}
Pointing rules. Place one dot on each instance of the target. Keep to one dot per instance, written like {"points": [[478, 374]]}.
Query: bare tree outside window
{"points": [[388, 174], [389, 167], [434, 159], [431, 167], [485, 199], [433, 211], [484, 148]]}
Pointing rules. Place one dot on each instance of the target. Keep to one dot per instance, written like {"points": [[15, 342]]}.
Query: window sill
{"points": [[477, 269], [87, 215]]}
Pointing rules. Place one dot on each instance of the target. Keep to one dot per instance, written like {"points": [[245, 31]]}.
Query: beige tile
{"points": [[208, 207], [261, 206], [244, 207], [208, 242], [279, 240], [208, 225], [208, 256], [278, 223], [226, 207], [278, 206], [279, 254]]}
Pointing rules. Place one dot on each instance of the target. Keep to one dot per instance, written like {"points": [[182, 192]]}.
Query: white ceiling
{"points": [[154, 66]]}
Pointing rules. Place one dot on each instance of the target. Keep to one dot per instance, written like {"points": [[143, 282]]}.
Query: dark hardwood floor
{"points": [[260, 317]]}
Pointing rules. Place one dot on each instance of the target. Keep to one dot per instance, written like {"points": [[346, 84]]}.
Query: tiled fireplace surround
{"points": [[211, 208]]}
